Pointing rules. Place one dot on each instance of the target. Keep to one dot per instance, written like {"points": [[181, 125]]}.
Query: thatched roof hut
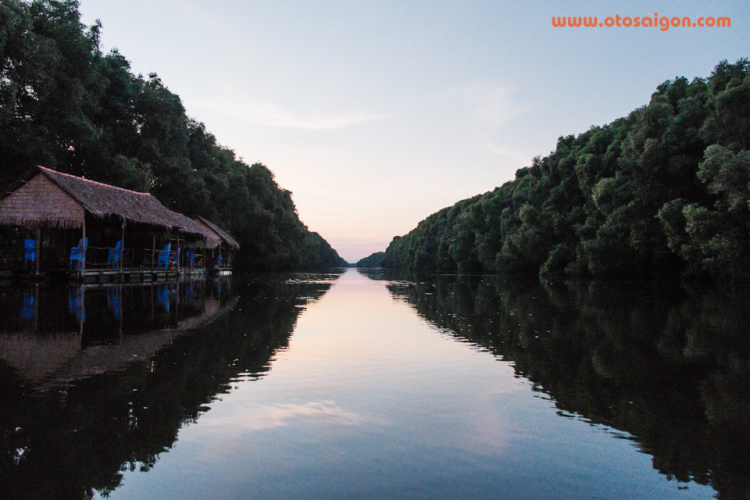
{"points": [[218, 235], [46, 198]]}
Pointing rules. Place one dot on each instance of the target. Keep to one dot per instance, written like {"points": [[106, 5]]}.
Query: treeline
{"points": [[662, 192], [66, 105], [374, 260]]}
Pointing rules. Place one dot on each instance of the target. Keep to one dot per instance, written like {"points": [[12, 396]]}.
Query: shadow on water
{"points": [[94, 382], [668, 366]]}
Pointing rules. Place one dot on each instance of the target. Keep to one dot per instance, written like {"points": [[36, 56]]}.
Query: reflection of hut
{"points": [[114, 333], [221, 246], [36, 357], [56, 222]]}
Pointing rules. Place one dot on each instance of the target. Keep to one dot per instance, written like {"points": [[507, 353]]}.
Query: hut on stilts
{"points": [[55, 223], [220, 247]]}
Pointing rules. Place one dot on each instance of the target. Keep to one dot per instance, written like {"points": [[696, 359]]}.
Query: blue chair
{"points": [[163, 258], [190, 256], [113, 261], [78, 254], [29, 252]]}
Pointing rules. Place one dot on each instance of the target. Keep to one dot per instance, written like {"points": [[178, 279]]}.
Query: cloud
{"points": [[511, 153], [486, 105], [264, 113], [484, 113]]}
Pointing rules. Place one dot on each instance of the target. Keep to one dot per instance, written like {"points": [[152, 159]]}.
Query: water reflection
{"points": [[104, 328], [260, 417], [669, 367], [94, 382]]}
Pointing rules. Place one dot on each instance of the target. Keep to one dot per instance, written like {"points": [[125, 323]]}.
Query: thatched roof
{"points": [[212, 238], [192, 226], [230, 242], [35, 207]]}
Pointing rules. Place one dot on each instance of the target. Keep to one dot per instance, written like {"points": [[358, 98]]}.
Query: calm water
{"points": [[359, 385]]}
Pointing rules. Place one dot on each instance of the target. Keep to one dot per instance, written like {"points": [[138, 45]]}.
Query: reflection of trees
{"points": [[669, 366], [67, 443]]}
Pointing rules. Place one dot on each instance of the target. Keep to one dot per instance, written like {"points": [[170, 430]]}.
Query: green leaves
{"points": [[727, 174], [65, 105], [662, 192]]}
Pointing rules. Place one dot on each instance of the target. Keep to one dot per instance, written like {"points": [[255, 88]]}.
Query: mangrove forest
{"points": [[660, 193], [67, 106]]}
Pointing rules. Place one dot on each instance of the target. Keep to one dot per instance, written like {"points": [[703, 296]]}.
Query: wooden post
{"points": [[122, 247], [153, 249], [38, 255], [84, 247], [177, 259], [80, 311]]}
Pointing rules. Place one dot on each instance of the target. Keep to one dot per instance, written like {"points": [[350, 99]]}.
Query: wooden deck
{"points": [[135, 275], [91, 276]]}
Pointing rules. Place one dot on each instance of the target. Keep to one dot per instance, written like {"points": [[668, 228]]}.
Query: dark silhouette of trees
{"points": [[374, 260]]}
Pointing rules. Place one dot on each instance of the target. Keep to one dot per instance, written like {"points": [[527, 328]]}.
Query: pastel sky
{"points": [[375, 114]]}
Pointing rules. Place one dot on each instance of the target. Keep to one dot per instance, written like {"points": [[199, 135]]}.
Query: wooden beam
{"points": [[84, 247], [122, 247]]}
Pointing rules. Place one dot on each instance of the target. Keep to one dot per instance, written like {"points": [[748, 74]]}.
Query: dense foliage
{"points": [[661, 192], [67, 106], [374, 260]]}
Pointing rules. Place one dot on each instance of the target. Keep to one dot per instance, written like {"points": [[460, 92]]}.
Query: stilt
{"points": [[122, 247], [204, 256], [84, 247]]}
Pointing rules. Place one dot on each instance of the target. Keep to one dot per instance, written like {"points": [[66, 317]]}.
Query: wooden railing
{"points": [[13, 258]]}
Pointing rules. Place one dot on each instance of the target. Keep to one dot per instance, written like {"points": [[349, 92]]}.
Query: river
{"points": [[360, 384]]}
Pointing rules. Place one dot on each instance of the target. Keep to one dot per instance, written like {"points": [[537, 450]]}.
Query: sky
{"points": [[377, 114]]}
